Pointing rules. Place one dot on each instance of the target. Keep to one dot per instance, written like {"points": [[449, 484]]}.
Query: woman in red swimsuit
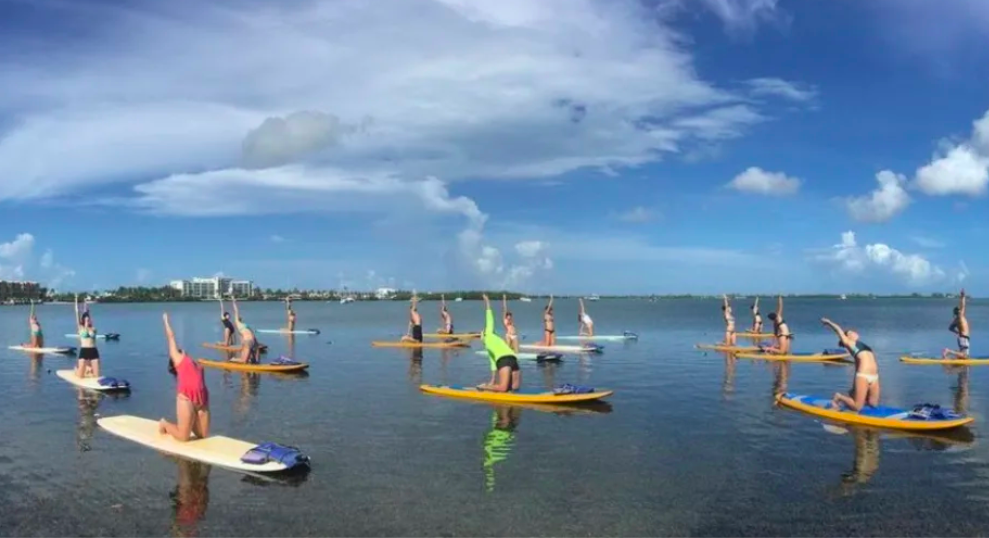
{"points": [[192, 398]]}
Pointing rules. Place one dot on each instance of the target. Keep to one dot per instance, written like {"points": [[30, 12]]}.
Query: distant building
{"points": [[385, 293], [16, 290], [213, 288]]}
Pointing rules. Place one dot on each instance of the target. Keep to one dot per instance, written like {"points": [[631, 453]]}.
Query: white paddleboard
{"points": [[282, 331], [85, 382], [214, 450], [45, 350], [559, 349], [601, 337], [98, 336], [523, 356]]}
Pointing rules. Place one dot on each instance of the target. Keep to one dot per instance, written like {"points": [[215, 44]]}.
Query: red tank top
{"points": [[191, 382]]}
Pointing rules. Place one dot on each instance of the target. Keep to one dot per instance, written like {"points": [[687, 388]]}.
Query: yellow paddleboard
{"points": [[971, 361], [883, 417], [461, 336], [243, 367], [520, 396], [796, 357], [222, 347], [755, 335], [442, 345], [720, 347]]}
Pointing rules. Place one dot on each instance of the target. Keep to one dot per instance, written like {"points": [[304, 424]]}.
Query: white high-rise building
{"points": [[214, 287]]}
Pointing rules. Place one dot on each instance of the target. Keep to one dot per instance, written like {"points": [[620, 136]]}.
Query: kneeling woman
{"points": [[865, 387], [505, 373], [192, 398]]}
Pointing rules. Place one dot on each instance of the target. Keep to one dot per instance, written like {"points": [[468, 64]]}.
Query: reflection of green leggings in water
{"points": [[497, 445]]}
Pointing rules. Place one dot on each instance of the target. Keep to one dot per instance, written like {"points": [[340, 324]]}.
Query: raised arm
{"points": [[581, 301], [755, 307], [779, 307], [961, 304], [838, 331], [173, 349], [550, 305], [504, 304], [488, 316], [442, 301], [78, 321], [233, 300], [31, 315], [221, 307]]}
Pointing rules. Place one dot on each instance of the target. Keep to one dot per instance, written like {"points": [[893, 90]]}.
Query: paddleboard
{"points": [[214, 450], [601, 337], [45, 350], [796, 357], [586, 348], [971, 361], [755, 335], [521, 395], [242, 367], [446, 345], [524, 356], [283, 331], [108, 336], [90, 383], [720, 347], [884, 417], [222, 347], [461, 336]]}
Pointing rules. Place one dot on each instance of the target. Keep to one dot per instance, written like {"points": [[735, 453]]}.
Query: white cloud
{"points": [[782, 88], [961, 168], [963, 271], [884, 203], [18, 260], [638, 214], [850, 256], [275, 238], [741, 17], [758, 181], [448, 87]]}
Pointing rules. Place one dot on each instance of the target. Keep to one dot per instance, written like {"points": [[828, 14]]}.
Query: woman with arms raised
{"points": [[89, 357], [505, 373], [865, 388], [37, 335], [192, 396]]}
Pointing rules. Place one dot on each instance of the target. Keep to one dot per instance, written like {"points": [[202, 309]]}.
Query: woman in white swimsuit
{"points": [[730, 337], [865, 389], [586, 323]]}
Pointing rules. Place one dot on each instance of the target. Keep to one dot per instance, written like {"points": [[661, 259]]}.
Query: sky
{"points": [[544, 146]]}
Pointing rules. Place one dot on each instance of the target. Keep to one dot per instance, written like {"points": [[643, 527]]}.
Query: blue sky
{"points": [[585, 146]]}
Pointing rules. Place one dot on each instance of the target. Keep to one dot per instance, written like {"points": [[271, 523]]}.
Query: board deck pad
{"points": [[563, 349], [214, 450]]}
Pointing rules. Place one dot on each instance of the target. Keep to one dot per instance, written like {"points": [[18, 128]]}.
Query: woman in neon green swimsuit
{"points": [[505, 373]]}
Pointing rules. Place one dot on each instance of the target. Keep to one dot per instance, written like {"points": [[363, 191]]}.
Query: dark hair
{"points": [[956, 311], [772, 316]]}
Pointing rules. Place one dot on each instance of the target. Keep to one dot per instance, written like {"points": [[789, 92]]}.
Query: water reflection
{"points": [[781, 378], [728, 385], [190, 498], [961, 391], [250, 384], [415, 366], [499, 440], [87, 402]]}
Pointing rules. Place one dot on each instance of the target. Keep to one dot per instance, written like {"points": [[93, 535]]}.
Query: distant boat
{"points": [[525, 299], [843, 297], [594, 297], [458, 299], [346, 300]]}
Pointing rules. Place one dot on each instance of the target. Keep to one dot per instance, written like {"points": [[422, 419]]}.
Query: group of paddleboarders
{"points": [[866, 388]]}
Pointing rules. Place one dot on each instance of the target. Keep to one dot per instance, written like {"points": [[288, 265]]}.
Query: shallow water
{"points": [[691, 443]]}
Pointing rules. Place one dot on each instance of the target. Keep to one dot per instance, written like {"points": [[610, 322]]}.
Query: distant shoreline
{"points": [[465, 297]]}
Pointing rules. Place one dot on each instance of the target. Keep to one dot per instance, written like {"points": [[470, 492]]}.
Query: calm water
{"points": [[691, 444]]}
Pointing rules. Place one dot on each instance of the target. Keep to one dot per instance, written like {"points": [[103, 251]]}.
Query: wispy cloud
{"points": [[638, 215], [755, 180], [275, 238], [927, 242]]}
